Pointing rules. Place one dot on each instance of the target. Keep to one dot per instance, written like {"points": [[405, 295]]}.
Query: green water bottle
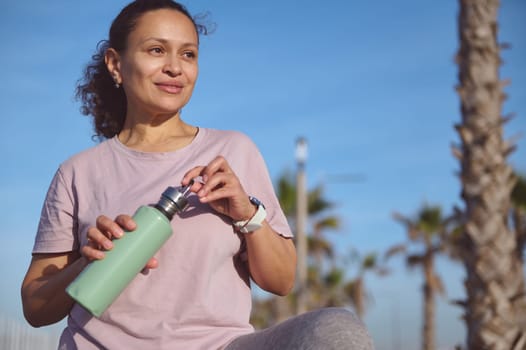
{"points": [[101, 282]]}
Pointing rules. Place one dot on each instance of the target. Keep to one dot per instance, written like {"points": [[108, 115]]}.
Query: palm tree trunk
{"points": [[359, 298], [496, 294], [281, 309], [428, 331]]}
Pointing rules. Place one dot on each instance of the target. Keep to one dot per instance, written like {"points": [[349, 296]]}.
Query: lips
{"points": [[170, 87]]}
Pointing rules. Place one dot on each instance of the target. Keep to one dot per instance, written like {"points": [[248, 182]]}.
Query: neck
{"points": [[161, 134]]}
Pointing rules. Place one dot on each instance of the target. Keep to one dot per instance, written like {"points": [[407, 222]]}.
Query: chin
{"points": [[167, 108]]}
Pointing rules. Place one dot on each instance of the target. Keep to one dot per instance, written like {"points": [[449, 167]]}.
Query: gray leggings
{"points": [[327, 328]]}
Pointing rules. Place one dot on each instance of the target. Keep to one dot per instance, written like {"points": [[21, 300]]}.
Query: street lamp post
{"points": [[301, 220]]}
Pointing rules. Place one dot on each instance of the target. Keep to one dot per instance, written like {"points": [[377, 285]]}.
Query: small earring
{"points": [[116, 81]]}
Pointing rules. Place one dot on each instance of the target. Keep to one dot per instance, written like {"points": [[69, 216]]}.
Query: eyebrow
{"points": [[166, 41]]}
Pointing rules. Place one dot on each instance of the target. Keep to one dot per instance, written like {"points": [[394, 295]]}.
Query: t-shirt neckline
{"points": [[115, 142]]}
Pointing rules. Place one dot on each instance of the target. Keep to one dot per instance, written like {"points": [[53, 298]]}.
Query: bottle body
{"points": [[101, 282]]}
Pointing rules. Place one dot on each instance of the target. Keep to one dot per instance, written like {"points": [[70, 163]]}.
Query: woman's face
{"points": [[158, 69]]}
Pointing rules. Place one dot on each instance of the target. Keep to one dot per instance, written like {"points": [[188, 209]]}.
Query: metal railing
{"points": [[16, 335]]}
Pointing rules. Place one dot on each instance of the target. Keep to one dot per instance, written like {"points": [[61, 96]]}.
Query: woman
{"points": [[195, 293]]}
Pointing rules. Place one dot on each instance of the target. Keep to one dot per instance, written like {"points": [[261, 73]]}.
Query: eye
{"points": [[157, 50], [189, 54]]}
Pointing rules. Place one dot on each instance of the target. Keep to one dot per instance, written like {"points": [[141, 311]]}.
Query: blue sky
{"points": [[370, 84]]}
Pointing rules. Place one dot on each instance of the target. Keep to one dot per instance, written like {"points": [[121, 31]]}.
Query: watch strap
{"points": [[255, 222]]}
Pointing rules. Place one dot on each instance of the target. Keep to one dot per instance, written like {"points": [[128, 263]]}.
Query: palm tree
{"points": [[320, 220], [355, 288], [319, 248], [427, 230], [495, 309]]}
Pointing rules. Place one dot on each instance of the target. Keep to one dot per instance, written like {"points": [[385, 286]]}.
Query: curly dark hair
{"points": [[96, 89]]}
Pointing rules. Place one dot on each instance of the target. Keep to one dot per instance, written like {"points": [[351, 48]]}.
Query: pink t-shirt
{"points": [[199, 296]]}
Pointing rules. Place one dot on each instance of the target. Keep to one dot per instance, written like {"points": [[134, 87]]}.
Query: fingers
{"points": [[211, 178], [91, 253], [218, 164], [152, 263], [100, 237], [124, 222], [192, 174], [219, 186]]}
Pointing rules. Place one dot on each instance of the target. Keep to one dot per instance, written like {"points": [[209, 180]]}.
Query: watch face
{"points": [[256, 201]]}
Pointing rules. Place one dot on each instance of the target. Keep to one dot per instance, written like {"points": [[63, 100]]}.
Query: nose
{"points": [[172, 66]]}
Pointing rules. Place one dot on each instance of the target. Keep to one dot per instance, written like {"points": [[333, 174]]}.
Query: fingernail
{"points": [[108, 245]]}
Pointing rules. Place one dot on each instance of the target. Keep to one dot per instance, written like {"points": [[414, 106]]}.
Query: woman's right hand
{"points": [[106, 230]]}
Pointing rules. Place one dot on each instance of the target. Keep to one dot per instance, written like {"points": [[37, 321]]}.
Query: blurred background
{"points": [[370, 87]]}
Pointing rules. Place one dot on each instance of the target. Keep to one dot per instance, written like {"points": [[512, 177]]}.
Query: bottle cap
{"points": [[173, 200]]}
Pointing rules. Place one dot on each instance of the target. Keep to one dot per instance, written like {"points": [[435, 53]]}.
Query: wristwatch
{"points": [[254, 223]]}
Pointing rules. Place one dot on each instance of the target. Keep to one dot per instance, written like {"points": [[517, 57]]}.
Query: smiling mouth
{"points": [[170, 88]]}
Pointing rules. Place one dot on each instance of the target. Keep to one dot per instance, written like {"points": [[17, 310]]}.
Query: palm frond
{"points": [[319, 245], [414, 260], [317, 202], [395, 250], [329, 222]]}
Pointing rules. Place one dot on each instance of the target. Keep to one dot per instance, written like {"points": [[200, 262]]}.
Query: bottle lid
{"points": [[173, 200]]}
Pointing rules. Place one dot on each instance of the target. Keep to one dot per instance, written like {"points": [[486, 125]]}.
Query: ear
{"points": [[113, 63]]}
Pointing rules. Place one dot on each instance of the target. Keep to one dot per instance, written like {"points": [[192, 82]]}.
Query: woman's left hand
{"points": [[221, 189]]}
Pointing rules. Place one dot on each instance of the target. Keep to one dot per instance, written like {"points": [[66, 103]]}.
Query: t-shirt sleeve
{"points": [[255, 178], [57, 227]]}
